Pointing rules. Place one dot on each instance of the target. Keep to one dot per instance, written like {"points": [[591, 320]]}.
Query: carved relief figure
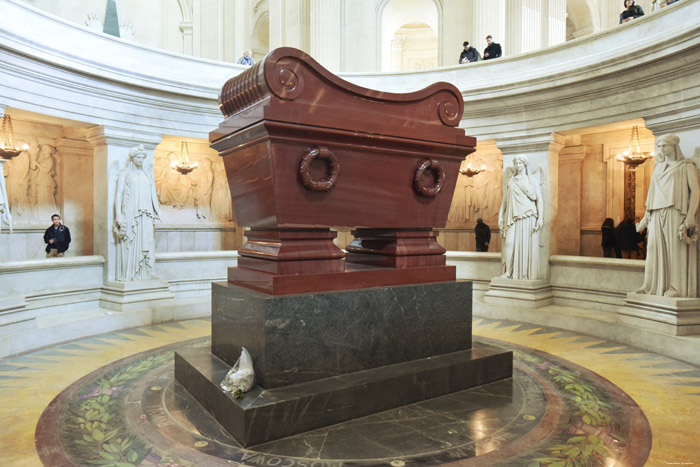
{"points": [[202, 184], [5, 215], [671, 267], [221, 203], [172, 186], [136, 208], [18, 181], [520, 220], [46, 180]]}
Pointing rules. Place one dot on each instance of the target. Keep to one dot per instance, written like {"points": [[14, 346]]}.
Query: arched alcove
{"points": [[414, 46], [261, 36], [581, 19], [394, 15]]}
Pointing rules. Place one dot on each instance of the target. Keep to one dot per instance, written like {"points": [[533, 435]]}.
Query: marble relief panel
{"points": [[196, 208], [201, 196], [478, 196], [32, 183]]}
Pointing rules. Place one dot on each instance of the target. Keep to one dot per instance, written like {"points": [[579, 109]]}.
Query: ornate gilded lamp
{"points": [[634, 156], [183, 165], [470, 171], [8, 146]]}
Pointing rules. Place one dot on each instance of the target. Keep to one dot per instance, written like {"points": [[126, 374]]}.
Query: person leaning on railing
{"points": [[630, 12]]}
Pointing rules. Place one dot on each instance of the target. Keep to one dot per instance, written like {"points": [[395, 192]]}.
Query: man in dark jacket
{"points": [[493, 50], [56, 237], [469, 54], [630, 12], [483, 235]]}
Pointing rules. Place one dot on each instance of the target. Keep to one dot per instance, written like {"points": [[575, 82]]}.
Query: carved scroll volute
{"points": [[450, 108], [419, 180], [324, 184], [284, 78]]}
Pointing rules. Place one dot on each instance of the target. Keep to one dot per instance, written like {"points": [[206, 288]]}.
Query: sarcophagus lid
{"points": [[304, 148]]}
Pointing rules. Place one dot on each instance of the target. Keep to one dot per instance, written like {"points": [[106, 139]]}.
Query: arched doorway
{"points": [[407, 23], [414, 46]]}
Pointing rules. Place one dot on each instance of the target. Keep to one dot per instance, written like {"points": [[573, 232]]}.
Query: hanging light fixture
{"points": [[470, 171], [184, 166], [634, 156], [8, 146]]}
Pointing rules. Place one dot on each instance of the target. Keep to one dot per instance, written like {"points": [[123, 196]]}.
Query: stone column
{"points": [[208, 29], [325, 33], [542, 151], [489, 20], [111, 153], [289, 24], [524, 26], [568, 224], [554, 22], [359, 43], [237, 29]]}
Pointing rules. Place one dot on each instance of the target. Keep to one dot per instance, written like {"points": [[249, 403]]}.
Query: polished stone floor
{"points": [[573, 400]]}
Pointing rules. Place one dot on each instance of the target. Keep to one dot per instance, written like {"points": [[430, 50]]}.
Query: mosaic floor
{"points": [[574, 400]]}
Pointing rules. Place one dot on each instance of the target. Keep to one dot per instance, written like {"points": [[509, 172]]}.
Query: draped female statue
{"points": [[136, 208], [671, 267], [520, 220]]}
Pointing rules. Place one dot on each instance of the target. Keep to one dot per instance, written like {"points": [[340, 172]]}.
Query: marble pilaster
{"points": [[569, 219], [289, 24], [554, 22], [489, 19], [523, 26], [239, 35], [359, 42], [325, 33]]}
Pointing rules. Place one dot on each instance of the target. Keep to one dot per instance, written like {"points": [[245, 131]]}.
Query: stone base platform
{"points": [[514, 292], [134, 295], [304, 337], [266, 415], [671, 315]]}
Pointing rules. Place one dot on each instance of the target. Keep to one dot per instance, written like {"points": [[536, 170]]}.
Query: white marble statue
{"points": [[136, 208], [520, 220], [671, 268], [241, 377], [5, 215]]}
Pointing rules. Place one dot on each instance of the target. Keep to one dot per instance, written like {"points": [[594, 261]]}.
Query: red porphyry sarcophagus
{"points": [[306, 151]]}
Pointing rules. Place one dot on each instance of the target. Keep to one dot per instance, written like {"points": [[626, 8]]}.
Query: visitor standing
{"points": [[607, 231], [56, 237], [492, 50], [247, 58], [630, 12], [469, 54], [483, 235]]}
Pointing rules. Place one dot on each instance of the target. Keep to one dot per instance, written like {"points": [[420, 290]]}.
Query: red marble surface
{"points": [[304, 149]]}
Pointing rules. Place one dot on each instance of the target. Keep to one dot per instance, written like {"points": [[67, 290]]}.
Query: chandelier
{"points": [[634, 156], [184, 166], [470, 171], [8, 145]]}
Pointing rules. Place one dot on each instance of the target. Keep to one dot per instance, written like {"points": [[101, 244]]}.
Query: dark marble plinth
{"points": [[265, 415], [305, 337]]}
